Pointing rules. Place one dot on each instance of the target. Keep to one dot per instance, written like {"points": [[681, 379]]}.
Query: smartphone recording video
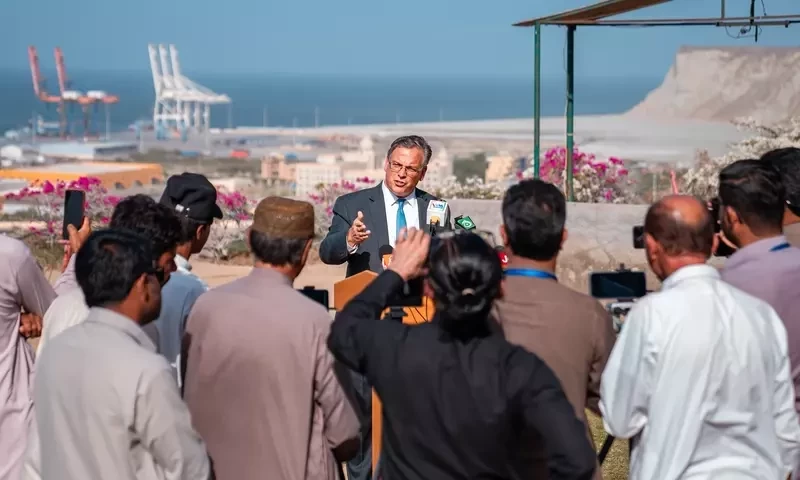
{"points": [[617, 285], [74, 201]]}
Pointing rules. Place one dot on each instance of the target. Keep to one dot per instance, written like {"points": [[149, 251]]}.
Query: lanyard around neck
{"points": [[530, 272], [782, 246]]}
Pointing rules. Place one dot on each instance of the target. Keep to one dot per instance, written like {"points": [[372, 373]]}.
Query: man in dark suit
{"points": [[367, 220]]}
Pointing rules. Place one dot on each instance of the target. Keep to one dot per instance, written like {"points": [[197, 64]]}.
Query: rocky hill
{"points": [[725, 83]]}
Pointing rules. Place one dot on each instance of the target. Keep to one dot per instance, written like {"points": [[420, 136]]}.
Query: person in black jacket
{"points": [[458, 400]]}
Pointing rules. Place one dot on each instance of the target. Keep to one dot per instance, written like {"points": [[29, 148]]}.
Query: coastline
{"points": [[631, 137]]}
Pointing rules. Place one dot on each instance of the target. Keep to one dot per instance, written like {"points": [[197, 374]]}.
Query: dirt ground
{"points": [[315, 275]]}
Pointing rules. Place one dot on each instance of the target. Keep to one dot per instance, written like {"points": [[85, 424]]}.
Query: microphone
{"points": [[463, 222], [437, 212], [385, 252], [433, 228]]}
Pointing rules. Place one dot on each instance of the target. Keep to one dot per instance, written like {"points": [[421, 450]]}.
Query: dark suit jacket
{"points": [[333, 249]]}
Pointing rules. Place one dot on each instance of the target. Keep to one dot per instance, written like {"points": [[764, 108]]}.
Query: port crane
{"points": [[181, 105], [85, 100], [40, 90]]}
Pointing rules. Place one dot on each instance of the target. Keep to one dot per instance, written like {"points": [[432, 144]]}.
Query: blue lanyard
{"points": [[782, 246], [530, 272]]}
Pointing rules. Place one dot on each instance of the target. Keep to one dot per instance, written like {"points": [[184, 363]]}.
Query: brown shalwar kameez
{"points": [[260, 382]]}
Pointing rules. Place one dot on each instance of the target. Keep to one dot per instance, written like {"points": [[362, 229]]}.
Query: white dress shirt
{"points": [[410, 208], [67, 310], [700, 376]]}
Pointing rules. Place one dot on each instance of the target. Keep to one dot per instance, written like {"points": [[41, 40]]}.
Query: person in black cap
{"points": [[194, 200]]}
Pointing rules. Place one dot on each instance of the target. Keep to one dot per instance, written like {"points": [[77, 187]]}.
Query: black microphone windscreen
{"points": [[385, 250]]}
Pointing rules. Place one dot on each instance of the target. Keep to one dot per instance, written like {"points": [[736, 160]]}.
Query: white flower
{"points": [[702, 179]]}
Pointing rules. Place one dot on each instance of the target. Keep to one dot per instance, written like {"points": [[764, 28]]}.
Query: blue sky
{"points": [[417, 38]]}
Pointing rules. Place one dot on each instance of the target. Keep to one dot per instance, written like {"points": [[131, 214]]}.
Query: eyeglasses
{"points": [[397, 168]]}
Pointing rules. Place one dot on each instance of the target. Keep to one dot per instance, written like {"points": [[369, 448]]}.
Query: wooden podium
{"points": [[343, 292]]}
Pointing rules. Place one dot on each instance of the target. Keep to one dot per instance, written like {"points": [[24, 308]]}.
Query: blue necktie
{"points": [[401, 216]]}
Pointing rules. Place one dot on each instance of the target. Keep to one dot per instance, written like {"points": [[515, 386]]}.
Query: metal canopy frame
{"points": [[597, 15]]}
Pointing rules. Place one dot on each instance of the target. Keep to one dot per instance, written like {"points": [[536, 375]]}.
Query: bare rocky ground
{"points": [[317, 275]]}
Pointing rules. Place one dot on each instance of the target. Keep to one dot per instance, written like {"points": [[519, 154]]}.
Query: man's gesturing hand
{"points": [[410, 253], [358, 231]]}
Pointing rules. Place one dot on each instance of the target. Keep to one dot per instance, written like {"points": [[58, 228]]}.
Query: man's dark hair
{"points": [[787, 162], [276, 251], [412, 141], [754, 190], [534, 215], [465, 275], [148, 218], [189, 227], [676, 235], [109, 264]]}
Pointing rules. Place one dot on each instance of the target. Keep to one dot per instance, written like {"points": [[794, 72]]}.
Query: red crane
{"points": [[40, 91], [85, 100], [72, 96]]}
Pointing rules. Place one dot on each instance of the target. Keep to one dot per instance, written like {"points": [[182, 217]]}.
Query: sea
{"points": [[305, 100]]}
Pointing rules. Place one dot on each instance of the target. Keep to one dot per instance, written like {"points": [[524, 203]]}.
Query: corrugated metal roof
{"points": [[591, 13]]}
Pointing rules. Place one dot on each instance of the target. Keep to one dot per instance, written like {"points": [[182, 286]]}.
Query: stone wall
{"points": [[600, 236]]}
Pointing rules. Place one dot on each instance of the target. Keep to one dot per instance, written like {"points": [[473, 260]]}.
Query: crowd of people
{"points": [[143, 372]]}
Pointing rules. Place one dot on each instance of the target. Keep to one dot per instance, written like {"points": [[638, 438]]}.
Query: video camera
{"points": [[723, 249], [624, 286]]}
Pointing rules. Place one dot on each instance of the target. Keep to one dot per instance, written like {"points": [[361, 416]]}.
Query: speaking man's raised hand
{"points": [[358, 231]]}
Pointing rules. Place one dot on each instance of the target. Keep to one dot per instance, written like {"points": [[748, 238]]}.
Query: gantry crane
{"points": [[40, 90], [87, 100]]}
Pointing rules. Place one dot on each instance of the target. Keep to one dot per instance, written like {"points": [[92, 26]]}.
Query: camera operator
{"points": [[752, 203], [570, 331], [787, 162], [455, 396], [700, 373]]}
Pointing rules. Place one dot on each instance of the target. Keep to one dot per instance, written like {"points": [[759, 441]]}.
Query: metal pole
{"points": [[537, 96], [570, 108]]}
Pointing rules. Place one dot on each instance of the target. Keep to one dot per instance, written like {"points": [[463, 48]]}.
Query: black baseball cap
{"points": [[193, 196]]}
